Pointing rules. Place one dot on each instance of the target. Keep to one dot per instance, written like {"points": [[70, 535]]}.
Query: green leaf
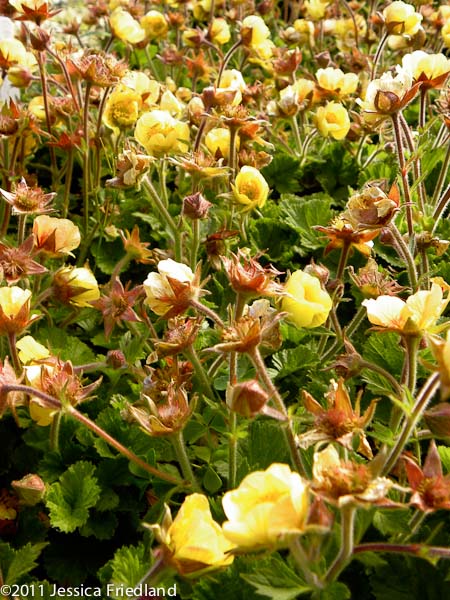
{"points": [[384, 350], [70, 499], [293, 360], [107, 255], [335, 591], [266, 445], [444, 453], [390, 522], [129, 565], [276, 580], [211, 481], [283, 173], [67, 347], [14, 564], [302, 213], [100, 525]]}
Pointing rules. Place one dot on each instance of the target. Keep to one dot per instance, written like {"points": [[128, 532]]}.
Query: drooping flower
{"points": [[418, 314], [344, 482], [250, 188], [55, 237], [125, 28], [430, 69], [267, 509], [172, 290], [161, 134], [388, 94], [155, 25], [193, 542], [335, 82], [307, 304], [14, 309], [333, 120], [401, 18], [76, 286]]}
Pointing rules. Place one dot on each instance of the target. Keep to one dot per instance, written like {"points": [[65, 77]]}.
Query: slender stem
{"points": [[258, 363], [413, 549], [178, 444], [424, 397], [233, 439], [348, 513], [68, 183], [378, 54], [48, 122], [441, 208], [423, 108], [422, 195], [13, 351], [302, 560], [202, 378], [21, 229], [174, 229], [442, 175], [195, 242], [297, 136], [377, 369], [347, 333], [405, 253], [208, 312], [56, 404], [412, 348], [54, 431], [86, 166], [226, 59], [403, 173]]}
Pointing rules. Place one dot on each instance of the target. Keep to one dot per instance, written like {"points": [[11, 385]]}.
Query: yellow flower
{"points": [[170, 291], [232, 84], [335, 80], [193, 542], [445, 33], [418, 314], [267, 508], [315, 9], [148, 89], [56, 237], [14, 309], [250, 188], [161, 134], [171, 104], [305, 30], [306, 303], [13, 52], [218, 142], [333, 120], [401, 18], [121, 109], [36, 107], [31, 350], [254, 31], [125, 27], [76, 286], [431, 69], [155, 25], [388, 94], [219, 31]]}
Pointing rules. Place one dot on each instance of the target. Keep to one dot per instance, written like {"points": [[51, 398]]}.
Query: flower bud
{"points": [[196, 206], [20, 77], [246, 398], [116, 359], [75, 286], [437, 419], [39, 39], [30, 489]]}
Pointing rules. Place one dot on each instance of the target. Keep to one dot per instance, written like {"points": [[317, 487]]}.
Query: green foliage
{"points": [[70, 499], [302, 213], [14, 564], [283, 174]]}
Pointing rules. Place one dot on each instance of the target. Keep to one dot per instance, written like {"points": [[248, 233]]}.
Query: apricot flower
{"points": [[418, 314], [170, 291], [333, 120], [193, 541], [306, 303], [161, 134], [267, 508], [250, 188]]}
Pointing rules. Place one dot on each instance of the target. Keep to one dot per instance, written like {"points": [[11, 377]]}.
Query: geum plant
{"points": [[226, 221]]}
